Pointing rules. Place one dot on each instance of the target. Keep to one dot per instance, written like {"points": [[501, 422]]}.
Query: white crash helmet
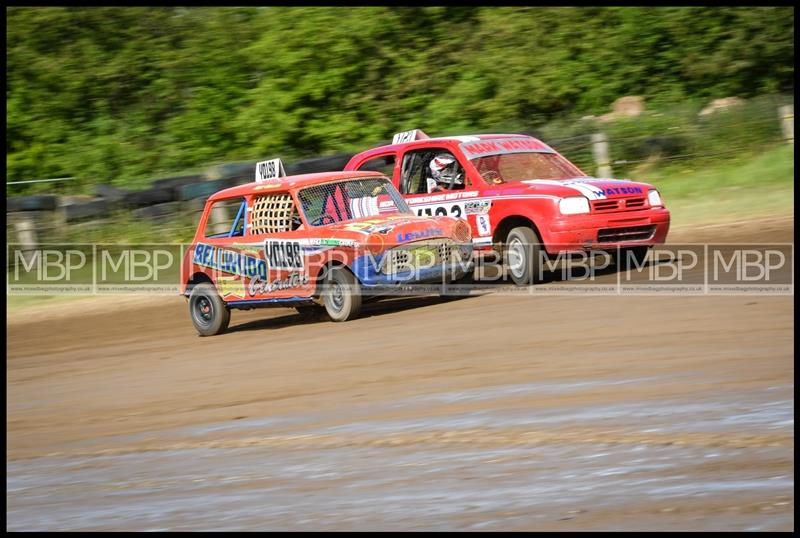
{"points": [[445, 171]]}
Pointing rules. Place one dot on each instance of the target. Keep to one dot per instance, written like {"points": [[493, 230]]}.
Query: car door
{"points": [[277, 231]]}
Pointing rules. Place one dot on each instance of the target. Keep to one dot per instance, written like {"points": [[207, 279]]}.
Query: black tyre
{"points": [[42, 202], [158, 195], [110, 193], [319, 164], [630, 258], [176, 182], [522, 256], [208, 311], [93, 209], [341, 294], [203, 189]]}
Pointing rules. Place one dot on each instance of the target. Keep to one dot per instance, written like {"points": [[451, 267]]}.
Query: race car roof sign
{"points": [[500, 146], [269, 170], [409, 136]]}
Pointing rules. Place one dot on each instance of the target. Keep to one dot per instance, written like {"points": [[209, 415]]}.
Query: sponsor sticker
{"points": [[501, 146], [231, 287], [484, 225], [477, 207], [422, 234], [259, 286], [229, 261], [328, 242]]}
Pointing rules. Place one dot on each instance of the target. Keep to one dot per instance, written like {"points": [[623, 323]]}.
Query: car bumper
{"points": [[419, 276], [606, 231]]}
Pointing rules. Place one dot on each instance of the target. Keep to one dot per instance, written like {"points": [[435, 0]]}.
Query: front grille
{"points": [[631, 233], [618, 204], [424, 254], [634, 203], [445, 252], [605, 205]]}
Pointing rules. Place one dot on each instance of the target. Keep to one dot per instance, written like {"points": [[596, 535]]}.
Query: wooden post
{"points": [[219, 219], [787, 122], [601, 157], [26, 235]]}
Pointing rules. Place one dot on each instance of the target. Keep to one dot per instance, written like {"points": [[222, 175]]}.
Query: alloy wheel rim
{"points": [[204, 310], [516, 255], [336, 296]]}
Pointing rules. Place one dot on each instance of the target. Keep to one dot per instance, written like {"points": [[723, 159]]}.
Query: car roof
{"points": [[459, 139], [290, 182]]}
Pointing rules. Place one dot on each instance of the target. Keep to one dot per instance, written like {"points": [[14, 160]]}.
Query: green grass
{"points": [[743, 188], [124, 227]]}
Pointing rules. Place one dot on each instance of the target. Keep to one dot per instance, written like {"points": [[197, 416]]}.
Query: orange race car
{"points": [[313, 239]]}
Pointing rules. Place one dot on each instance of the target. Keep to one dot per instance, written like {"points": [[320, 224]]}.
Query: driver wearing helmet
{"points": [[445, 173]]}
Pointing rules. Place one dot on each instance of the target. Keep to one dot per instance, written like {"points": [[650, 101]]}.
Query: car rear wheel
{"points": [[341, 294], [208, 311], [522, 255]]}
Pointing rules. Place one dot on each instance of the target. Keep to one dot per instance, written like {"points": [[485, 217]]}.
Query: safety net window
{"points": [[352, 199], [273, 213]]}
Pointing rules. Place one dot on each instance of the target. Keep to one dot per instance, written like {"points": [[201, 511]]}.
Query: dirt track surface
{"points": [[491, 412]]}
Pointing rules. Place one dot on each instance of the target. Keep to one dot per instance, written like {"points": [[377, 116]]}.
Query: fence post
{"points": [[26, 235], [601, 157], [787, 122], [219, 219]]}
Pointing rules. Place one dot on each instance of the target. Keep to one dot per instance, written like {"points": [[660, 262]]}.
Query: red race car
{"points": [[521, 198], [313, 239]]}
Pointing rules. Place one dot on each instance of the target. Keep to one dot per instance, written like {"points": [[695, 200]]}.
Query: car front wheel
{"points": [[522, 255], [341, 294]]}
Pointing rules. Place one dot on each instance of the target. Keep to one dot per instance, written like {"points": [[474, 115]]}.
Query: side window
{"points": [[383, 164], [274, 213], [227, 218], [430, 170]]}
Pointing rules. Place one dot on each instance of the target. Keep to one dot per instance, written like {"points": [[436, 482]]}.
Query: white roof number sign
{"points": [[408, 136], [269, 170]]}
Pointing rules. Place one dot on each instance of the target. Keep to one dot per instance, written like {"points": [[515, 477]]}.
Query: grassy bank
{"points": [[742, 188]]}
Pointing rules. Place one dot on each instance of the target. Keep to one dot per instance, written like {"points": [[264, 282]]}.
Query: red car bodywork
{"points": [[620, 213], [246, 275]]}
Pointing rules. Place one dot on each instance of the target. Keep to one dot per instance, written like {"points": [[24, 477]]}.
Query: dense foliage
{"points": [[116, 95]]}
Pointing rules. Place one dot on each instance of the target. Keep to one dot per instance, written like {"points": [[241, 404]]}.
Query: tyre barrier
{"points": [[238, 172], [41, 202], [170, 189], [157, 212], [177, 182], [147, 197], [328, 163], [110, 193], [79, 211], [203, 189]]}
